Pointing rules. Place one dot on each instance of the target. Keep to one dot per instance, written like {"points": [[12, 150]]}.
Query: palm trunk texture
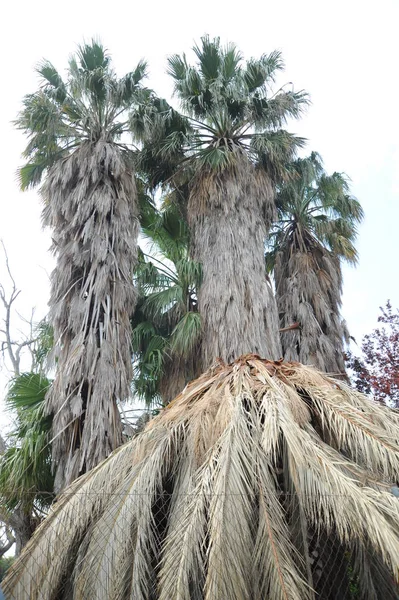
{"points": [[308, 291], [229, 216], [91, 207]]}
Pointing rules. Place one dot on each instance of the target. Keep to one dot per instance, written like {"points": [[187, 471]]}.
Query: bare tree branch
{"points": [[8, 345]]}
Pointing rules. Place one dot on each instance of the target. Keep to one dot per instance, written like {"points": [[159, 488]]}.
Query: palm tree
{"points": [[225, 494], [166, 324], [227, 491], [230, 139], [315, 231], [26, 479], [76, 143]]}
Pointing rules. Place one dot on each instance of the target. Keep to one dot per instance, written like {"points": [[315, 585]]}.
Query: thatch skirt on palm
{"points": [[261, 480]]}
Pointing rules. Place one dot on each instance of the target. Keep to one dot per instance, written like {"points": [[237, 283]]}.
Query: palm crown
{"points": [[315, 208], [228, 110], [316, 229], [92, 105], [230, 107]]}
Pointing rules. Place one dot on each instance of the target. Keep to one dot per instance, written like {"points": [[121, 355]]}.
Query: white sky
{"points": [[343, 52]]}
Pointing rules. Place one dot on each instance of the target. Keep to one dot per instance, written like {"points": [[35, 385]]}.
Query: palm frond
{"points": [[26, 477], [214, 519], [185, 336], [315, 230]]}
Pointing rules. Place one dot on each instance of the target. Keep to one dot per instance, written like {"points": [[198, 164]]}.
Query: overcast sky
{"points": [[344, 53]]}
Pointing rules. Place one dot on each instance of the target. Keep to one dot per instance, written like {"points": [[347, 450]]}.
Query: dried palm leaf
{"points": [[229, 493]]}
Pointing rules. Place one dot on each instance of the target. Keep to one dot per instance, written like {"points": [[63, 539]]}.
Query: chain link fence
{"points": [[152, 547]]}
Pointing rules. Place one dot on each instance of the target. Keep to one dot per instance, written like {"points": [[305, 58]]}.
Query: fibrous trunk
{"points": [[229, 216], [179, 371], [308, 291], [91, 206]]}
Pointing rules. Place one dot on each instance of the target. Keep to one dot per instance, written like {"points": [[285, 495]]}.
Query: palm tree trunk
{"points": [[23, 525], [179, 371], [308, 291], [92, 208], [229, 215]]}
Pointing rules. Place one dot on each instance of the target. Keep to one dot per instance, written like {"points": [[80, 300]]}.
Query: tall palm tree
{"points": [[166, 323], [315, 231], [230, 136], [77, 144]]}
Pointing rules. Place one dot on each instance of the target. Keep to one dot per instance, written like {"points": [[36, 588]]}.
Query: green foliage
{"points": [[5, 564], [43, 346], [166, 324], [315, 208], [92, 104], [228, 111], [25, 468]]}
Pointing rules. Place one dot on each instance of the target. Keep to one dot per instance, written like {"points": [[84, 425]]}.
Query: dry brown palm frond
{"points": [[224, 494], [91, 207], [229, 214]]}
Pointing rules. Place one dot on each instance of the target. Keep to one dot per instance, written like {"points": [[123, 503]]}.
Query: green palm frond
{"points": [[26, 477], [185, 336], [209, 58], [158, 303], [30, 175], [177, 67], [259, 72], [190, 272], [44, 345], [226, 103], [27, 391], [91, 104]]}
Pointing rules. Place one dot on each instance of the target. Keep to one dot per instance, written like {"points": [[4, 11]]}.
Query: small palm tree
{"points": [[26, 479], [225, 493], [77, 144], [315, 231], [166, 324], [230, 139]]}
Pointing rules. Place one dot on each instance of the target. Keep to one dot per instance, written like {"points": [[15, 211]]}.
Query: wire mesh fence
{"points": [[167, 546]]}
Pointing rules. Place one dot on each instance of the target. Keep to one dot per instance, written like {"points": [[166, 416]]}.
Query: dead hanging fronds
{"points": [[308, 291], [224, 494], [91, 205], [230, 214], [315, 231]]}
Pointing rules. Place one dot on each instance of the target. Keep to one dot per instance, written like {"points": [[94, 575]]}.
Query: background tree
{"points": [[166, 333], [12, 348], [376, 371], [26, 482], [314, 232], [76, 134], [26, 478], [230, 135]]}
